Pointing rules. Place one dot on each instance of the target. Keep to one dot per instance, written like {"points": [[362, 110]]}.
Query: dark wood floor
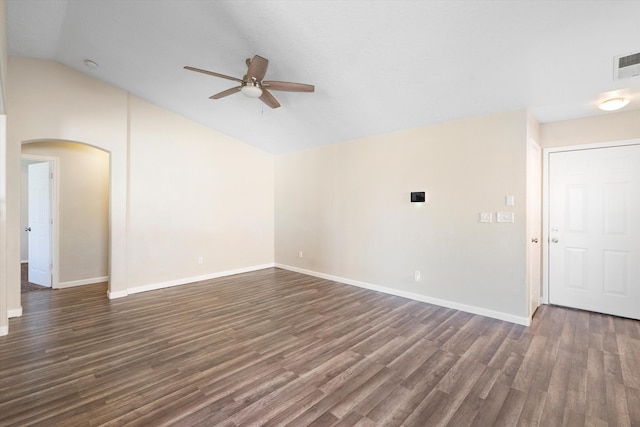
{"points": [[278, 348], [25, 285]]}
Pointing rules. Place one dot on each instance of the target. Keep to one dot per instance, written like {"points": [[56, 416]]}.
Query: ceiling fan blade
{"points": [[226, 93], [211, 73], [269, 99], [289, 87], [257, 68]]}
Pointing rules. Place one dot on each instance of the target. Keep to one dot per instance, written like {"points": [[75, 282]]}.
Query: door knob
{"points": [[27, 229], [534, 240], [554, 240]]}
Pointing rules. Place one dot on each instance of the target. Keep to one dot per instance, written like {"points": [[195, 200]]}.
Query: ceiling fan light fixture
{"points": [[251, 90], [613, 104]]}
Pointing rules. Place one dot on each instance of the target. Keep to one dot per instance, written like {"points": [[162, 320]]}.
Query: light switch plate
{"points": [[504, 217], [486, 217], [509, 201]]}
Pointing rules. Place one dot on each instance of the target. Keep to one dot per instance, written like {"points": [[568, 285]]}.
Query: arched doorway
{"points": [[80, 235]]}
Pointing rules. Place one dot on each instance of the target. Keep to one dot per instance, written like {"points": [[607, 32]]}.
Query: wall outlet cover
{"points": [[486, 217], [504, 217]]}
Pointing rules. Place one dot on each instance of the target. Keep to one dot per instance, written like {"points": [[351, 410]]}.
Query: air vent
{"points": [[626, 66]]}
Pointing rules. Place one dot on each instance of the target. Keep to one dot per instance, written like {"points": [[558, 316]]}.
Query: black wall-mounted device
{"points": [[417, 197]]}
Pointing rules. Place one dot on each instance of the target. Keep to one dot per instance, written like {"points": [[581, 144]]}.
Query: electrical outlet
{"points": [[486, 217], [299, 254], [504, 217], [417, 275], [200, 260]]}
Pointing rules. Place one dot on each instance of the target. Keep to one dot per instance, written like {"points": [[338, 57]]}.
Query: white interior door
{"points": [[40, 224], [534, 219], [594, 230]]}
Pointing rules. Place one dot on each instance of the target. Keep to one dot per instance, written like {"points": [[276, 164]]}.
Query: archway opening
{"points": [[80, 211]]}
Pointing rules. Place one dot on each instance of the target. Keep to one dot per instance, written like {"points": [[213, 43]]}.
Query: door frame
{"points": [[54, 190], [534, 201], [545, 198]]}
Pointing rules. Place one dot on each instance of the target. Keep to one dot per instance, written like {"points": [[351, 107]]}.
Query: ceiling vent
{"points": [[626, 66]]}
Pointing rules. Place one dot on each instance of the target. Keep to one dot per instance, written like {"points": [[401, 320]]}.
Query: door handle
{"points": [[554, 240], [534, 240], [27, 229]]}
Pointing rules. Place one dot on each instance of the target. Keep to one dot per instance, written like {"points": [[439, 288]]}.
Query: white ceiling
{"points": [[378, 66]]}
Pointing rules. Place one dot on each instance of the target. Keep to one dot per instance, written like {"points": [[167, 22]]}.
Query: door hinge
{"points": [[51, 221], [50, 175]]}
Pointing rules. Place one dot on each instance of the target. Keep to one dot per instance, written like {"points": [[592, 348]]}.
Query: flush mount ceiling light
{"points": [[91, 64], [613, 104]]}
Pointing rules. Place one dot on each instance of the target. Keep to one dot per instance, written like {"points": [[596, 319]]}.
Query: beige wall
{"points": [[83, 201], [194, 193], [346, 206], [48, 101], [3, 175], [609, 127], [533, 128], [3, 54], [174, 183]]}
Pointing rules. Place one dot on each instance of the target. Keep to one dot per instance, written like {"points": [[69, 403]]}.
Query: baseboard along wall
{"points": [[525, 321], [410, 295], [89, 281], [186, 281], [14, 312]]}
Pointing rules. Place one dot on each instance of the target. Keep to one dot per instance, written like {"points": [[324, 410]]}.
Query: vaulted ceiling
{"points": [[378, 66]]}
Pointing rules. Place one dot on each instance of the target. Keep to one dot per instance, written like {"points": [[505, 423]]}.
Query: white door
{"points": [[40, 224], [594, 230], [534, 215]]}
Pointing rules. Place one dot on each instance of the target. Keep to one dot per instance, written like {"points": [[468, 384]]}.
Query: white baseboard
{"points": [[417, 297], [116, 294], [4, 330], [14, 312], [188, 280], [24, 261], [89, 281]]}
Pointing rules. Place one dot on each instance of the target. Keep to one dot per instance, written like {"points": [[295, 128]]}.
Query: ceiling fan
{"points": [[253, 85]]}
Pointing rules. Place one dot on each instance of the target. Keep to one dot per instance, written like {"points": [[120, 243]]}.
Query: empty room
{"points": [[319, 213]]}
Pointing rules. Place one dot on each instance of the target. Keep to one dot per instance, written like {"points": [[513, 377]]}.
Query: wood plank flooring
{"points": [[274, 348], [25, 285]]}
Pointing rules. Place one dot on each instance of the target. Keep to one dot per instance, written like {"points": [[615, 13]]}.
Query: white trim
{"points": [[4, 285], [545, 199], [188, 280], [521, 320], [24, 261], [15, 312], [88, 281], [593, 146], [116, 294], [534, 230]]}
